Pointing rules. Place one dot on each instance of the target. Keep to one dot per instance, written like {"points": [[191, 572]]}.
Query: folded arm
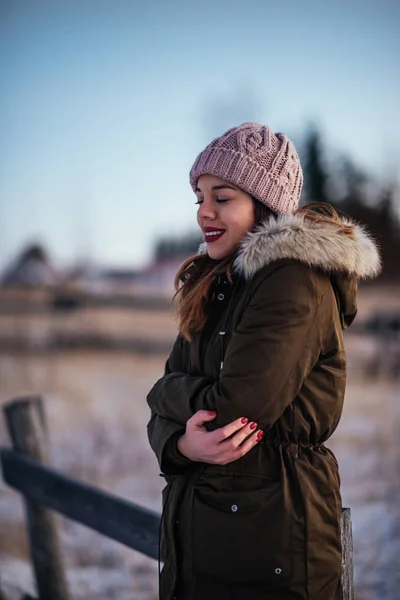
{"points": [[271, 351], [163, 432]]}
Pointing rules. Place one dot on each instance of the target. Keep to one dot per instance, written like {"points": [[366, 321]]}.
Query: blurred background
{"points": [[104, 106]]}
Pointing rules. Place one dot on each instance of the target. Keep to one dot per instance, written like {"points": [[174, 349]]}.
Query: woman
{"points": [[255, 382]]}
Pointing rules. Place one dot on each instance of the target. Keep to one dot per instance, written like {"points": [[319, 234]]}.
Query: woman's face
{"points": [[225, 214]]}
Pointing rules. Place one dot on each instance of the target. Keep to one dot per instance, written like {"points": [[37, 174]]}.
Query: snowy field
{"points": [[97, 416]]}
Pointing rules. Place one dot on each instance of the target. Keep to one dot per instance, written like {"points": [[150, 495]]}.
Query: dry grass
{"points": [[97, 417], [14, 541]]}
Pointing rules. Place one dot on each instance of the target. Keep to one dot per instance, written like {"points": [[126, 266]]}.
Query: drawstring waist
{"points": [[293, 447]]}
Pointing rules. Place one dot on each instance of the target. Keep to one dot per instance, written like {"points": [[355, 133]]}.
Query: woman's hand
{"points": [[222, 446]]}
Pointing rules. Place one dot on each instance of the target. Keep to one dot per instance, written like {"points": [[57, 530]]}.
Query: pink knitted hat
{"points": [[257, 160]]}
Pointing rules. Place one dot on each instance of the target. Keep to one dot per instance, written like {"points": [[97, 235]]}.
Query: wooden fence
{"points": [[24, 469]]}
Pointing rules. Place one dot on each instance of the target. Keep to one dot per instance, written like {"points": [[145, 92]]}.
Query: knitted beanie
{"points": [[255, 159]]}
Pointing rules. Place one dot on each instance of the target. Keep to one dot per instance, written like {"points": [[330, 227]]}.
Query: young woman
{"points": [[255, 382]]}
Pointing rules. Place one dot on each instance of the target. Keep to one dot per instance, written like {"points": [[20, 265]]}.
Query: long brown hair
{"points": [[193, 294]]}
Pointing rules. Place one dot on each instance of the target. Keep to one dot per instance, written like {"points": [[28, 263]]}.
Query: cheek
{"points": [[240, 220], [245, 224], [250, 221], [239, 229]]}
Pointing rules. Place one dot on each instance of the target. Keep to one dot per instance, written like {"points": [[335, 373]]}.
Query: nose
{"points": [[206, 210]]}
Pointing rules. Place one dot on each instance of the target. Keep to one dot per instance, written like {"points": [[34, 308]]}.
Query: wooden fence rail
{"points": [[133, 525], [44, 488]]}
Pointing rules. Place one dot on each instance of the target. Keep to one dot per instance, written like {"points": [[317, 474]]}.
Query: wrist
{"points": [[181, 445]]}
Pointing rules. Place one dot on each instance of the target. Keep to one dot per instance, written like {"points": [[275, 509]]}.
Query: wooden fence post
{"points": [[25, 419], [347, 555]]}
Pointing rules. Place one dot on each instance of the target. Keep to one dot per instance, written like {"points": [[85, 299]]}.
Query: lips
{"points": [[212, 234]]}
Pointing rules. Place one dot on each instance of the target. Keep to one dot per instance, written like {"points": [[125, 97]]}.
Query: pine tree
{"points": [[315, 174]]}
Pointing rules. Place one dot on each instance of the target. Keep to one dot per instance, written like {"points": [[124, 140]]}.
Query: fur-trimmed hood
{"points": [[346, 257], [317, 244]]}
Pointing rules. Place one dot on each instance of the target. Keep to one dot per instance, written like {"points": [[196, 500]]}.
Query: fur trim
{"points": [[316, 244]]}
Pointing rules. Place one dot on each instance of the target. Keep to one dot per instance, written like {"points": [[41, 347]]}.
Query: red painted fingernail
{"points": [[260, 435], [253, 425], [244, 420], [212, 412]]}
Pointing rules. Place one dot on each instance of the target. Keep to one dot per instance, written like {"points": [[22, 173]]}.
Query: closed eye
{"points": [[219, 200]]}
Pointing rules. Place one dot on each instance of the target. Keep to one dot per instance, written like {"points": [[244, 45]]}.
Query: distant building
{"points": [[31, 269], [94, 279], [156, 278]]}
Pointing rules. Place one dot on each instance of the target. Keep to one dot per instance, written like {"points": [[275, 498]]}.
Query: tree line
{"points": [[357, 194], [344, 185]]}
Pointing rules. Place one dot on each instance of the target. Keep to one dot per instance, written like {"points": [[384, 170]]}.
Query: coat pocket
{"points": [[242, 536]]}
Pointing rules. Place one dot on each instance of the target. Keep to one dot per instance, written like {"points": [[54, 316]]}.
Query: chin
{"points": [[216, 254]]}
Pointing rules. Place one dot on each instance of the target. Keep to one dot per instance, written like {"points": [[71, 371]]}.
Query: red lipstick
{"points": [[212, 234]]}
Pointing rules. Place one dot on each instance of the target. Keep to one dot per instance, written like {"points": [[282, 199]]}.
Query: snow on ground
{"points": [[97, 417], [97, 433]]}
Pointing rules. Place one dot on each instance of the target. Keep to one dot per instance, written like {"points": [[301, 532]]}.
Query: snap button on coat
{"points": [[234, 507]]}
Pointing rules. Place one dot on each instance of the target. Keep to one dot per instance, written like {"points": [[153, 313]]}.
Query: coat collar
{"points": [[319, 245]]}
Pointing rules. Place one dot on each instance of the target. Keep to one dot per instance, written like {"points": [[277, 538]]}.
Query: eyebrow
{"points": [[219, 187]]}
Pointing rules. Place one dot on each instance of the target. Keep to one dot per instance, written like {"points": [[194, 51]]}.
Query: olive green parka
{"points": [[266, 525]]}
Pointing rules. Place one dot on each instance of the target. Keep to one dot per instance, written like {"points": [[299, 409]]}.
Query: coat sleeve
{"points": [[162, 431], [271, 351]]}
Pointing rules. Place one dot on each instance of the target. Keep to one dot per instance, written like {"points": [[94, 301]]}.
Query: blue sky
{"points": [[105, 105]]}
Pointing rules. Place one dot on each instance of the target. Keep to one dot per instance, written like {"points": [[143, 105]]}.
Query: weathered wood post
{"points": [[347, 555], [25, 420]]}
